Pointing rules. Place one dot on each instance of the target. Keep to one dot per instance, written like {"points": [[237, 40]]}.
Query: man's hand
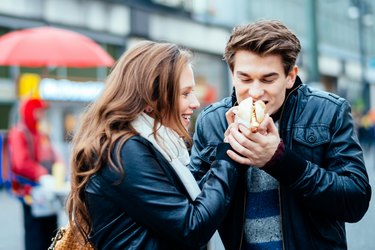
{"points": [[254, 149]]}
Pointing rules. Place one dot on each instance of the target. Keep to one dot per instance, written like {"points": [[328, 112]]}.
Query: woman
{"points": [[32, 157], [130, 185]]}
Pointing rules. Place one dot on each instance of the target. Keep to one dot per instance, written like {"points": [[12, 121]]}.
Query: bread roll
{"points": [[250, 113]]}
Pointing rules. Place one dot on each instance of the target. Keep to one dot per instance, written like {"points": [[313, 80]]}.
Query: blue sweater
{"points": [[262, 212]]}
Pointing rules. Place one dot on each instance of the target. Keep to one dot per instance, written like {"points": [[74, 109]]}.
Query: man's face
{"points": [[262, 78]]}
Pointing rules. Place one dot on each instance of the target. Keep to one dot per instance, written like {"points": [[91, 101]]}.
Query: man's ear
{"points": [[291, 78]]}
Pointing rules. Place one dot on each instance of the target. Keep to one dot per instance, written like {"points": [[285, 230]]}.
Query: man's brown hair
{"points": [[265, 37]]}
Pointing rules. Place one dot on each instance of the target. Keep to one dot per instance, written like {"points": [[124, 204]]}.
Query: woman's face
{"points": [[188, 101]]}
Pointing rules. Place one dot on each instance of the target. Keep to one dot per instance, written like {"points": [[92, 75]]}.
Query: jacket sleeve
{"points": [[149, 196], [209, 132], [199, 163], [341, 188], [23, 162]]}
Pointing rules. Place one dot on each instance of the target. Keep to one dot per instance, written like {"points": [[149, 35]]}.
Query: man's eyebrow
{"points": [[271, 74], [240, 73]]}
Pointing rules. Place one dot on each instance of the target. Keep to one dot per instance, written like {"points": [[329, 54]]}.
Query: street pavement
{"points": [[11, 222], [11, 228], [361, 235]]}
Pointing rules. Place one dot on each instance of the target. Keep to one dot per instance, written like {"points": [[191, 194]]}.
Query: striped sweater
{"points": [[262, 212]]}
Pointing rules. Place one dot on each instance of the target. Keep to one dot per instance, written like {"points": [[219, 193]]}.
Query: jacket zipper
{"points": [[279, 189], [244, 206], [281, 220], [243, 220]]}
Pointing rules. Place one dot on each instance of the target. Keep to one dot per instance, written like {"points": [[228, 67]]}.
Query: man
{"points": [[32, 157], [307, 175]]}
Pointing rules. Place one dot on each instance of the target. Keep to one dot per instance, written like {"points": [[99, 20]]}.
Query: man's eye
{"points": [[268, 80], [245, 80]]}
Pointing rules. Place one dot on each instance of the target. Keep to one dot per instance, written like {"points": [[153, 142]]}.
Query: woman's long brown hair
{"points": [[147, 74]]}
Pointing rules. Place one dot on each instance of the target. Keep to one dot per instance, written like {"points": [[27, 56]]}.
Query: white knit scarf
{"points": [[174, 150]]}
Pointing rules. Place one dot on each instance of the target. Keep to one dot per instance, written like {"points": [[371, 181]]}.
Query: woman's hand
{"points": [[230, 116]]}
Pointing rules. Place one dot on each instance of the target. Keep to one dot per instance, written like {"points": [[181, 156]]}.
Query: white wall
{"points": [[91, 14], [187, 33]]}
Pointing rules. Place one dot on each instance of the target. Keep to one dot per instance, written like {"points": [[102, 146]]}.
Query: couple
{"points": [[291, 186]]}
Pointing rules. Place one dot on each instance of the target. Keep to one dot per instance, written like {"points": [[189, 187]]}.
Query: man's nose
{"points": [[255, 90]]}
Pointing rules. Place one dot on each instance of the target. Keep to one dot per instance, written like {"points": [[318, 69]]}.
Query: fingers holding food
{"points": [[230, 115]]}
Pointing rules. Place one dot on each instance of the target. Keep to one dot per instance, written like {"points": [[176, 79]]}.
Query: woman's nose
{"points": [[194, 103]]}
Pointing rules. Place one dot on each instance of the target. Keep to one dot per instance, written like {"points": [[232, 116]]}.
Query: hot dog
{"points": [[250, 113]]}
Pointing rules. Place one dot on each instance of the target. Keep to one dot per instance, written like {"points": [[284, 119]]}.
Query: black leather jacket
{"points": [[150, 208], [322, 175]]}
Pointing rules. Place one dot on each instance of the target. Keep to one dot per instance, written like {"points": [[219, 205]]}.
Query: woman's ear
{"points": [[148, 109]]}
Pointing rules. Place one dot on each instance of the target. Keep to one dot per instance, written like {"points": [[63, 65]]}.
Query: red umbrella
{"points": [[48, 46]]}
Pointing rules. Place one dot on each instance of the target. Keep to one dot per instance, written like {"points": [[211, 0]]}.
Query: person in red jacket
{"points": [[32, 157]]}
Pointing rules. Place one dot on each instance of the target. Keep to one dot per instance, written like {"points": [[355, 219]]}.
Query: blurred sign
{"points": [[66, 90], [28, 86]]}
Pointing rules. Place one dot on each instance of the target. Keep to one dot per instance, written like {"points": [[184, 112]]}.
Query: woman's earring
{"points": [[148, 109]]}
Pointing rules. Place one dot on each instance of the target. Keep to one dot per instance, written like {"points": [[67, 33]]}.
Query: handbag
{"points": [[66, 240]]}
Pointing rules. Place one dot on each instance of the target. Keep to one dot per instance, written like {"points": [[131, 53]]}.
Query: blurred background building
{"points": [[337, 38], [338, 55]]}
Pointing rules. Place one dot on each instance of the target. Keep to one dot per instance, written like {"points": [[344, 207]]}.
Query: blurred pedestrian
{"points": [[307, 175], [131, 188], [366, 130], [32, 157]]}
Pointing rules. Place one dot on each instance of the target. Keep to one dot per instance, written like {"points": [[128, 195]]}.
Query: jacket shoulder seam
{"points": [[224, 103], [324, 95]]}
